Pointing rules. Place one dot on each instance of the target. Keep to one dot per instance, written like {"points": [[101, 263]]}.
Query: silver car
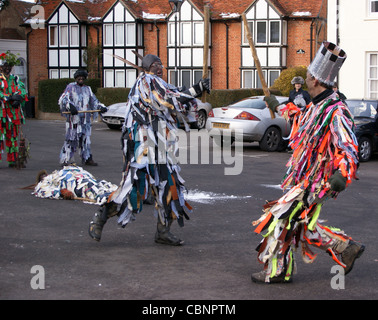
{"points": [[252, 117], [115, 116]]}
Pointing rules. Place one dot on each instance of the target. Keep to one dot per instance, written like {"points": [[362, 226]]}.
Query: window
{"points": [[274, 32], [374, 6], [373, 75], [74, 36], [53, 39], [261, 32], [250, 25], [108, 35], [130, 34], [63, 36], [119, 36], [248, 79]]}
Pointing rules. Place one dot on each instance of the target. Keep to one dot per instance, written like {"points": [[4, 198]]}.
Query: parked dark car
{"points": [[366, 120]]}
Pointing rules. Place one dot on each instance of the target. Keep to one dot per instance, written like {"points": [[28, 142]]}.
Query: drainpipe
{"points": [[157, 38], [227, 54]]}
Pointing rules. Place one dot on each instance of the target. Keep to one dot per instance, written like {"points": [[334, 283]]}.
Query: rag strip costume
{"points": [[78, 126], [149, 144], [323, 143], [149, 147], [77, 181], [11, 118]]}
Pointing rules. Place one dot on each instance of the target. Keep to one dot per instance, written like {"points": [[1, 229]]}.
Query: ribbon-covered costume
{"points": [[78, 182], [149, 144], [78, 126], [323, 142], [324, 146]]}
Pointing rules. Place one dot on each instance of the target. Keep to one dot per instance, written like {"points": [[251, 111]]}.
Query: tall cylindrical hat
{"points": [[327, 63]]}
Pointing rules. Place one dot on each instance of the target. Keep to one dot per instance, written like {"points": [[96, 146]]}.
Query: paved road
{"points": [[218, 256]]}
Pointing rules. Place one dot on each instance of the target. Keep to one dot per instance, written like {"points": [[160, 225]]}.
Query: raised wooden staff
{"points": [[257, 61], [82, 111], [205, 68]]}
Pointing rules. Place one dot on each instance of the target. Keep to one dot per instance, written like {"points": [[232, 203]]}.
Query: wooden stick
{"points": [[83, 111], [257, 61], [125, 61], [205, 68]]}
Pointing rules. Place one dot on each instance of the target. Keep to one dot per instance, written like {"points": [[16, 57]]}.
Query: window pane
{"points": [[197, 76], [374, 6], [130, 34], [108, 35], [373, 72], [274, 32], [108, 79], [248, 79], [74, 39], [250, 25], [53, 36], [273, 76], [373, 59], [198, 33], [63, 35], [83, 36], [186, 79], [186, 35], [119, 34], [120, 79], [261, 32], [172, 77]]}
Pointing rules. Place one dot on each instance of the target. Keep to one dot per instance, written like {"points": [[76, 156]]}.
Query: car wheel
{"points": [[365, 149], [201, 121], [271, 140]]}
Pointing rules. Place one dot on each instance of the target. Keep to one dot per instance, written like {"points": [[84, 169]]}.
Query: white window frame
{"points": [[372, 94]]}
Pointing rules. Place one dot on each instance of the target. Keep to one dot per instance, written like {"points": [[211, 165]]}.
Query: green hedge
{"points": [[110, 96], [50, 90], [217, 98]]}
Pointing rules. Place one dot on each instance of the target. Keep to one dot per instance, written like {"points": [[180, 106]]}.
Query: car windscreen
{"points": [[249, 103], [362, 109]]}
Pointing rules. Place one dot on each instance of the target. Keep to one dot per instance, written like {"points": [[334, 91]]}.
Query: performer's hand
{"points": [[15, 100], [103, 109], [337, 182], [205, 85], [272, 102], [73, 109]]}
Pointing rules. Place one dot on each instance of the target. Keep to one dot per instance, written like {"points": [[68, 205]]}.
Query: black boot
{"points": [[99, 219], [90, 162], [164, 236], [353, 251]]}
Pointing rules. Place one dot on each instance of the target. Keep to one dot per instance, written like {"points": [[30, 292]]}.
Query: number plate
{"points": [[114, 121], [221, 125]]}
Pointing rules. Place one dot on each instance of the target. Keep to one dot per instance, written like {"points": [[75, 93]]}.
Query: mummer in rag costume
{"points": [[149, 143], [324, 162], [78, 104], [13, 95]]}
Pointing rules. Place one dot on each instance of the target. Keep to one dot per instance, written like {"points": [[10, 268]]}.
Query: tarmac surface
{"points": [[46, 253]]}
